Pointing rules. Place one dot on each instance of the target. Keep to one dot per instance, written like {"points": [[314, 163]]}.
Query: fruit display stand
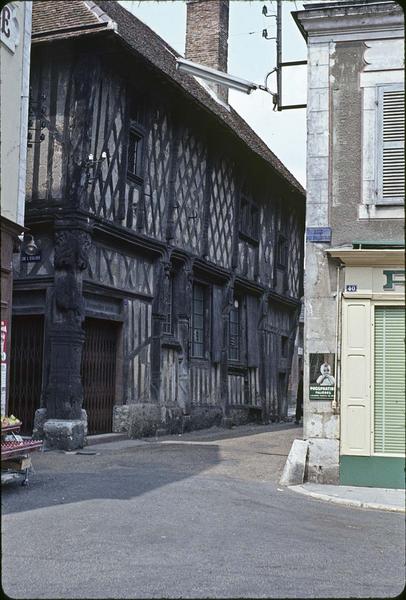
{"points": [[15, 453]]}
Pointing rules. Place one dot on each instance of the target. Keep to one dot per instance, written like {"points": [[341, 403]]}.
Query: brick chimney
{"points": [[207, 37]]}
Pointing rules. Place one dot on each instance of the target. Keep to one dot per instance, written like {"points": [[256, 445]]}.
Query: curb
{"points": [[348, 502]]}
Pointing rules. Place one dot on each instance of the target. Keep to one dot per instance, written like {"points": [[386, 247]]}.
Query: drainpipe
{"points": [[336, 401]]}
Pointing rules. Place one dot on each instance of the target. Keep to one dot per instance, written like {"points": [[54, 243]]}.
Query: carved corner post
{"points": [[163, 267], [228, 298], [183, 301], [65, 427]]}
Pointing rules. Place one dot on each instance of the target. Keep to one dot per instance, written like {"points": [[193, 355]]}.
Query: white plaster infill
{"points": [[353, 496]]}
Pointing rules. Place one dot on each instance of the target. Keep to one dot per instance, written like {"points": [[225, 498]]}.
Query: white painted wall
{"points": [[15, 26]]}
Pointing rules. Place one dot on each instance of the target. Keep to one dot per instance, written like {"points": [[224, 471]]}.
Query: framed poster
{"points": [[322, 376], [4, 332]]}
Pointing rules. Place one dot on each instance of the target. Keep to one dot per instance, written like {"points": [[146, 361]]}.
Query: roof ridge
{"points": [[100, 14]]}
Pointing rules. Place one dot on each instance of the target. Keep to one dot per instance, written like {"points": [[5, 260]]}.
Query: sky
{"points": [[251, 57]]}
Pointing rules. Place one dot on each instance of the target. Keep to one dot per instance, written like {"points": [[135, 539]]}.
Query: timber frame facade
{"points": [[169, 263]]}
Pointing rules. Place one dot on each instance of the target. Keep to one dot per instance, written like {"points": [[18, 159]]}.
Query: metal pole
{"points": [[279, 52]]}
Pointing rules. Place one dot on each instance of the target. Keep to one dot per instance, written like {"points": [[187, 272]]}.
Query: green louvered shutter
{"points": [[391, 165], [389, 406]]}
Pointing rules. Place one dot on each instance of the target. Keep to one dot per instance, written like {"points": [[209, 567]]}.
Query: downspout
{"points": [[25, 90], [337, 362]]}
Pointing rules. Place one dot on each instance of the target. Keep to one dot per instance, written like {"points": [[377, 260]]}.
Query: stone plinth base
{"points": [[40, 418], [323, 461], [63, 434], [145, 419], [227, 422]]}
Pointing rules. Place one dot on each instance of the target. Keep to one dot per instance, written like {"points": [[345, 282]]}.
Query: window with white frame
{"points": [[391, 143]]}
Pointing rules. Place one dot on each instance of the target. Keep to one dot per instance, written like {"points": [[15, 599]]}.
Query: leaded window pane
{"points": [[198, 321], [168, 323]]}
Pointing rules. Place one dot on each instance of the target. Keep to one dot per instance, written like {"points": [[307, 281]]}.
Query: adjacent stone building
{"points": [[354, 377], [165, 290], [15, 36]]}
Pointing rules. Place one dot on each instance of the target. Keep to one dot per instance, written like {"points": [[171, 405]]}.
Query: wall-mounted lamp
{"points": [[30, 247], [92, 163]]}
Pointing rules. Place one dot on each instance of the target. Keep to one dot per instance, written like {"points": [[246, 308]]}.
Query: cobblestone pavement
{"points": [[193, 516]]}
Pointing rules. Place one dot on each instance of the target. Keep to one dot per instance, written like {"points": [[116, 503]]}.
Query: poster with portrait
{"points": [[4, 332], [322, 376]]}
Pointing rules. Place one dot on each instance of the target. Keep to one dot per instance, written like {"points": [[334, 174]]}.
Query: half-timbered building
{"points": [[159, 284]]}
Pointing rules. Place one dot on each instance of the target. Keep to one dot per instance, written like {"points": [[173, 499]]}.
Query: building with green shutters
{"points": [[354, 336]]}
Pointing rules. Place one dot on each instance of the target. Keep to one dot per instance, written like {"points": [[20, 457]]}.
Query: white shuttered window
{"points": [[389, 406], [391, 135]]}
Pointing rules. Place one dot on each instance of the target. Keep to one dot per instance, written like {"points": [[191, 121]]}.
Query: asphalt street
{"points": [[193, 516]]}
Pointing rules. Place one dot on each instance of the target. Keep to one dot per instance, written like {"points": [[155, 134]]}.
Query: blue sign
{"points": [[318, 234], [351, 288], [30, 258]]}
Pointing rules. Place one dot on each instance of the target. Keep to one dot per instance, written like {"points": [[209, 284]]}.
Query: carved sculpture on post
{"points": [[184, 303], [65, 427]]}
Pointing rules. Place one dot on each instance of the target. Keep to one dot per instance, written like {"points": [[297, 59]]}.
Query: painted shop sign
{"points": [[394, 278], [322, 376], [9, 28]]}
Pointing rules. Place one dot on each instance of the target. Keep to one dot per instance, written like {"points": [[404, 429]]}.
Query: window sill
{"points": [[248, 238], [168, 341], [237, 367], [381, 211]]}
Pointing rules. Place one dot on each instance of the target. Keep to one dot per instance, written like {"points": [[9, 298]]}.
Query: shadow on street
{"points": [[61, 478]]}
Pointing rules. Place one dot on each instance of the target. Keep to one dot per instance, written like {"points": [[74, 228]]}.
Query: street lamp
{"points": [[219, 77], [209, 74]]}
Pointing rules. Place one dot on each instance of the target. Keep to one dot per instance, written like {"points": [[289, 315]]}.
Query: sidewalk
{"points": [[361, 497]]}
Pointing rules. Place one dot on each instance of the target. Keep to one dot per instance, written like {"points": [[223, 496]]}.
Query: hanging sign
{"points": [[322, 376]]}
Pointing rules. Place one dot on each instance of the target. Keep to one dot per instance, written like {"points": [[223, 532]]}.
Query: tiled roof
{"points": [[53, 20], [58, 17]]}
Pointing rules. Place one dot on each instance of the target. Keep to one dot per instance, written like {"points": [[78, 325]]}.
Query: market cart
{"points": [[16, 453]]}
